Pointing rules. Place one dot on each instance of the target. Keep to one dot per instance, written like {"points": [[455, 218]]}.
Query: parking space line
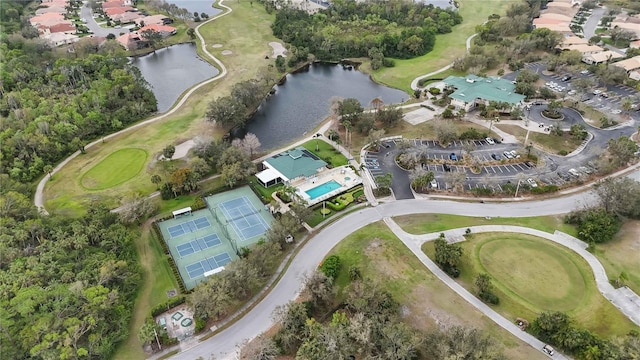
{"points": [[500, 168]]}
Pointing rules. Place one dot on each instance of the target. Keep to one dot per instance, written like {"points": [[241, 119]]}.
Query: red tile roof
{"points": [[62, 28], [117, 10], [157, 28]]}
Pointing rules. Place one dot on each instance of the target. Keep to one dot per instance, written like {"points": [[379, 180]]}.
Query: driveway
{"points": [[589, 27], [86, 13]]}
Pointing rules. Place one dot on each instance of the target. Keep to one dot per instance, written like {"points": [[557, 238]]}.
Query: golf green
{"points": [[118, 167], [540, 274]]}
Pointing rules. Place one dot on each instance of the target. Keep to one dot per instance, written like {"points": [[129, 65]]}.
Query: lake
{"points": [[201, 6], [172, 70], [302, 102]]}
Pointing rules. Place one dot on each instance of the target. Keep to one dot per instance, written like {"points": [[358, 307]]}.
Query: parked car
{"points": [[532, 183], [529, 164], [453, 157], [566, 78], [564, 176], [597, 92], [585, 169], [507, 154], [572, 92], [548, 349], [495, 156], [616, 111], [490, 141], [585, 72], [514, 154], [434, 184], [574, 172], [446, 167]]}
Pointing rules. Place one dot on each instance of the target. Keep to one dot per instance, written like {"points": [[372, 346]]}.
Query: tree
{"points": [[111, 36], [227, 111], [148, 330], [595, 225], [578, 131], [620, 35], [421, 180], [156, 180], [448, 256], [384, 181], [621, 150], [318, 288], [292, 318], [375, 139], [445, 132], [136, 207], [485, 289], [389, 117], [242, 277], [260, 348], [553, 107], [191, 33], [331, 266], [153, 38], [527, 76], [548, 324], [211, 298], [350, 110], [455, 179], [458, 342], [48, 169], [619, 196], [168, 151]]}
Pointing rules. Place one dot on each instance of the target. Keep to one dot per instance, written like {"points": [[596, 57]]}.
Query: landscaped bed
{"points": [[326, 209], [551, 143]]}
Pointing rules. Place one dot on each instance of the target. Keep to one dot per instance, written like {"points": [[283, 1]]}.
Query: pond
{"points": [[302, 102], [172, 70], [199, 6]]}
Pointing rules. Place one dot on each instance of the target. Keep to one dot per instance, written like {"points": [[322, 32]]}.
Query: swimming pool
{"points": [[323, 189]]}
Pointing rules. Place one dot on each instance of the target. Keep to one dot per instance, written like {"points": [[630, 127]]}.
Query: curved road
{"points": [[38, 198], [258, 320]]}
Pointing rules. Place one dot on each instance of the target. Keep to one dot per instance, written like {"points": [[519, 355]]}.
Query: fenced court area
{"points": [[203, 241], [241, 213]]}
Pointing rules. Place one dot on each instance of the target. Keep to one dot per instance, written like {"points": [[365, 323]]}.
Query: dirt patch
{"points": [[227, 52], [278, 49], [216, 46], [630, 232]]}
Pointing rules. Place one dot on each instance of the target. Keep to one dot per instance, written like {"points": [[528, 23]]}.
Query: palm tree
{"points": [[347, 131], [377, 104]]}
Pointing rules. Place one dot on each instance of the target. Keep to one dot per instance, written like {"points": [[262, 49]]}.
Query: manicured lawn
{"points": [[531, 275], [246, 32], [622, 255], [118, 167], [550, 143], [326, 152], [428, 304], [448, 47], [428, 223]]}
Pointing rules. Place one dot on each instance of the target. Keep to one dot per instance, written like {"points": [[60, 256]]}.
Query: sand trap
{"points": [[183, 149], [278, 49], [216, 45], [227, 52]]}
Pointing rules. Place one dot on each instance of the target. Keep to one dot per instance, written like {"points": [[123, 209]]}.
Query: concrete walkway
{"points": [[624, 299], [38, 198]]}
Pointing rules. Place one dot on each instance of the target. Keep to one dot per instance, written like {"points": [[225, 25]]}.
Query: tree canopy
{"points": [[350, 29]]}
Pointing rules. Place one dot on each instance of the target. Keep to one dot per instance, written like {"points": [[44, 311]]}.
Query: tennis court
{"points": [[199, 244], [188, 227], [198, 269], [244, 217]]}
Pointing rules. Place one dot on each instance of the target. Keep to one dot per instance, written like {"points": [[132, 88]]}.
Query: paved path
{"points": [[414, 244], [620, 298], [38, 198], [414, 83]]}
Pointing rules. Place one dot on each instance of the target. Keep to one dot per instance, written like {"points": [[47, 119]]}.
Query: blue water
{"points": [[322, 189]]}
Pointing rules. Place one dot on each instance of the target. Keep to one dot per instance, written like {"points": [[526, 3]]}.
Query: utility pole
{"points": [[517, 188], [157, 340]]}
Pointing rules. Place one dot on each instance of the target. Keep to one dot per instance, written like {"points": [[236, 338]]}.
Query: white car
{"points": [[514, 154], [574, 172], [434, 184], [532, 182], [490, 141], [616, 111], [584, 72], [597, 92], [572, 92]]}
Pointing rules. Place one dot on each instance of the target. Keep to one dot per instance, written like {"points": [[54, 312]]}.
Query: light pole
{"points": [[517, 188]]}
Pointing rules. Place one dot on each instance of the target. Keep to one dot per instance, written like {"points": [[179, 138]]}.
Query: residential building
{"points": [[471, 91], [48, 19], [571, 40], [584, 49], [164, 30], [631, 66], [290, 166], [601, 57], [127, 17], [52, 9], [154, 20], [117, 10], [60, 38], [634, 44], [627, 22], [131, 41]]}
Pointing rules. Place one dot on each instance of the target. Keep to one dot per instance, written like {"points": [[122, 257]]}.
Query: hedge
{"points": [[171, 303]]}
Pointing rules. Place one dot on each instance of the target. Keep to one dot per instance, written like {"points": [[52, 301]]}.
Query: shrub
{"points": [[562, 152], [331, 266], [473, 134], [200, 324], [171, 303], [434, 90], [545, 189], [489, 297]]}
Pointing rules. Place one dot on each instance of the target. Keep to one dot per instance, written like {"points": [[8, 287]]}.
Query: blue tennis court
{"points": [[198, 245], [244, 217], [188, 227], [198, 269]]}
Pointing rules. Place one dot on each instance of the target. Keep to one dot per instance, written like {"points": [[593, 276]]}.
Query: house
{"points": [[164, 30], [59, 39], [627, 22], [51, 9], [46, 31], [471, 91], [560, 28], [601, 57], [631, 66], [154, 20], [48, 19], [584, 49], [568, 41], [131, 41], [126, 18], [117, 10], [290, 166]]}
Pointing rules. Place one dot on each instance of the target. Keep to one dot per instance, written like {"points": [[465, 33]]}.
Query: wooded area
{"points": [[351, 29], [52, 104]]}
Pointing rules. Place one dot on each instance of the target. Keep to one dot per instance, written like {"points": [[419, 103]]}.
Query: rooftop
{"points": [[295, 163], [629, 64], [474, 87]]}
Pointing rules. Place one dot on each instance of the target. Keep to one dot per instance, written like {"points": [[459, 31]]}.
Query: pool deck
{"points": [[344, 175]]}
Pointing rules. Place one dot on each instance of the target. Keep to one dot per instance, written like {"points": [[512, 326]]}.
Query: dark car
{"points": [[566, 78], [495, 156], [529, 164], [453, 157], [446, 167], [497, 141]]}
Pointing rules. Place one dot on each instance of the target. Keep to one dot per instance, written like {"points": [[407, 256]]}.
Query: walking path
{"points": [[38, 198], [624, 299]]}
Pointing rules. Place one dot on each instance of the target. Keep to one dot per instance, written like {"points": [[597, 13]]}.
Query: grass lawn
{"points": [[326, 152], [157, 280], [428, 223], [550, 143], [246, 32], [427, 303], [622, 255], [118, 167], [531, 275], [448, 47]]}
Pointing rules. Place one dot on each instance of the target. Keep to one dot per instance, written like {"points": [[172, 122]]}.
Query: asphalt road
{"points": [[86, 13], [224, 344]]}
